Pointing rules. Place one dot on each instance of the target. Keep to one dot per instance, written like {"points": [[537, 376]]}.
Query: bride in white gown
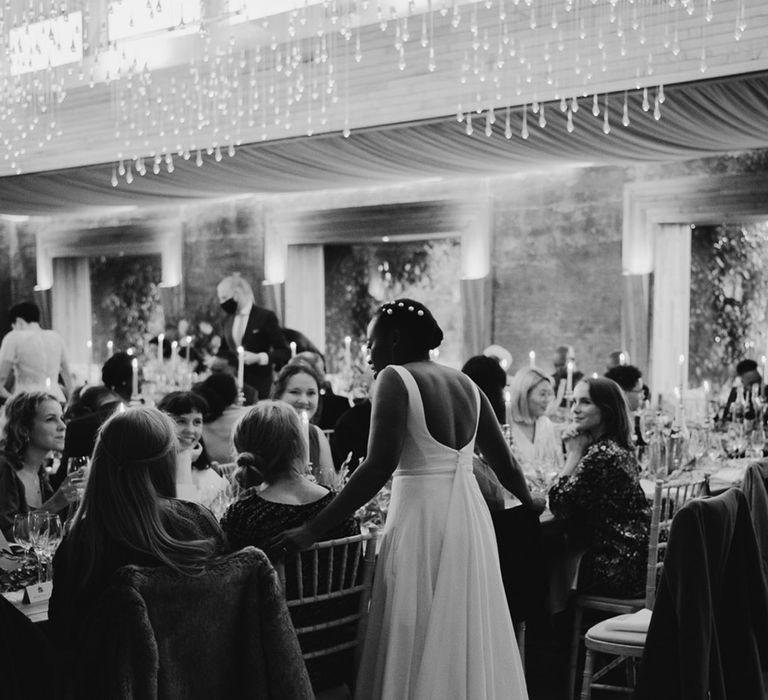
{"points": [[439, 627]]}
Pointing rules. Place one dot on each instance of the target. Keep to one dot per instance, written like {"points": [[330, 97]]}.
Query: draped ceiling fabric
{"points": [[697, 120]]}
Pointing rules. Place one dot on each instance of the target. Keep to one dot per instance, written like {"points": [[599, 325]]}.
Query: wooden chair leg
{"points": [[520, 634], [589, 665], [573, 663]]}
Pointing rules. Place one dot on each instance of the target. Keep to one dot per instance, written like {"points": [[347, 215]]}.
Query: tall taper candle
{"points": [[160, 342], [110, 348], [89, 347], [304, 420], [507, 407], [293, 349], [134, 378], [532, 358], [569, 379], [240, 367]]}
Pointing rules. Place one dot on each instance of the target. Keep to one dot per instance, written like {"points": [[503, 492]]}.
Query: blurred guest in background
{"points": [[34, 355], [630, 379], [299, 386], [331, 405], [747, 376], [95, 405], [117, 374], [349, 440], [563, 355], [489, 375], [220, 393], [196, 476], [129, 515], [253, 328], [33, 429], [599, 492], [534, 438]]}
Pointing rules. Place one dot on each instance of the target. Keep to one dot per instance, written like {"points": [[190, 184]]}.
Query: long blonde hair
{"points": [[133, 470]]}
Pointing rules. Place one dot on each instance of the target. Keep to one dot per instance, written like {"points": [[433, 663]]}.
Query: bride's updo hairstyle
{"points": [[414, 321], [269, 441]]}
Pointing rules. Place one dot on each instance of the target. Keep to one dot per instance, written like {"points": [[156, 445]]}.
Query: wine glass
{"points": [[21, 532], [757, 441]]}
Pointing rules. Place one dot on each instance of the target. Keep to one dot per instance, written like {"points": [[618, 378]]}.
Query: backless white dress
{"points": [[439, 626]]}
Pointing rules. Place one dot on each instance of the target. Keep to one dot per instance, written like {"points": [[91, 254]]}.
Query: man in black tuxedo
{"points": [[255, 329]]}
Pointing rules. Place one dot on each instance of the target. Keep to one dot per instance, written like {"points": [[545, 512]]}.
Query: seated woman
{"points": [[33, 429], [129, 515], [272, 453], [196, 476], [534, 439], [487, 373], [298, 384], [599, 491]]}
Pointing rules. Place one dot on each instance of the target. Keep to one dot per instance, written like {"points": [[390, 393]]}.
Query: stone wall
{"points": [[556, 258]]}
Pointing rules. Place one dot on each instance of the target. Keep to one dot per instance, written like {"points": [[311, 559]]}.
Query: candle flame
{"points": [[507, 396]]}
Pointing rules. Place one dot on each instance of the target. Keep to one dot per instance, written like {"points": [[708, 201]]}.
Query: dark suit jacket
{"points": [[262, 334]]}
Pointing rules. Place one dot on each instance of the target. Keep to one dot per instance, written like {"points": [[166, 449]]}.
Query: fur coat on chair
{"points": [[222, 633]]}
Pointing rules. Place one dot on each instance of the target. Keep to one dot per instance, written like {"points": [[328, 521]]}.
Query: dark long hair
{"points": [[614, 409], [133, 470]]}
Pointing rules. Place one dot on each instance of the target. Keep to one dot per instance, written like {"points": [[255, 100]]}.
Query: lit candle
{"points": [[532, 358], [48, 384], [594, 375], [682, 375], [707, 388], [508, 407], [569, 379], [160, 341], [110, 348], [174, 348], [622, 358], [765, 367], [347, 353], [304, 420], [89, 347], [134, 378], [240, 367], [293, 349]]}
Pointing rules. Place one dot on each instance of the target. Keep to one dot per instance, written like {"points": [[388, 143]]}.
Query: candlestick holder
{"points": [[240, 400], [135, 400]]}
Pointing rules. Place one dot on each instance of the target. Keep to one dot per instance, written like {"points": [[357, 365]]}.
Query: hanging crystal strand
{"points": [[346, 131], [703, 60], [569, 122], [606, 125], [114, 176], [489, 123], [595, 106], [469, 130], [507, 126], [625, 111], [563, 104], [524, 131], [542, 118], [646, 105], [708, 14], [657, 106]]}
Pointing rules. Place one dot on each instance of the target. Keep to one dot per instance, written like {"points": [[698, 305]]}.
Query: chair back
{"points": [[222, 631], [755, 488], [668, 498], [328, 589]]}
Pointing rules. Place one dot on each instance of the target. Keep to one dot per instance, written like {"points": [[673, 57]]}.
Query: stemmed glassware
{"points": [[45, 533], [757, 441], [21, 532]]}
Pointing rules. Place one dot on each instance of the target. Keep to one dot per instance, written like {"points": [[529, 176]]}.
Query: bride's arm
{"points": [[496, 451], [385, 443]]}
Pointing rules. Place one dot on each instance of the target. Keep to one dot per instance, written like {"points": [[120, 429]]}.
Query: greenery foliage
{"points": [[126, 299], [729, 298]]}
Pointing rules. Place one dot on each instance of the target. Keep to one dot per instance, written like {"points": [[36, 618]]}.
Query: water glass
{"points": [[45, 533], [21, 532]]}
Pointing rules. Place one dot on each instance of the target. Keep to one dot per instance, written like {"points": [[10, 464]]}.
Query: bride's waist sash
{"points": [[433, 470]]}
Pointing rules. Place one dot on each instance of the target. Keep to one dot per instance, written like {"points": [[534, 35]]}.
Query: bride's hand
{"points": [[290, 541]]}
